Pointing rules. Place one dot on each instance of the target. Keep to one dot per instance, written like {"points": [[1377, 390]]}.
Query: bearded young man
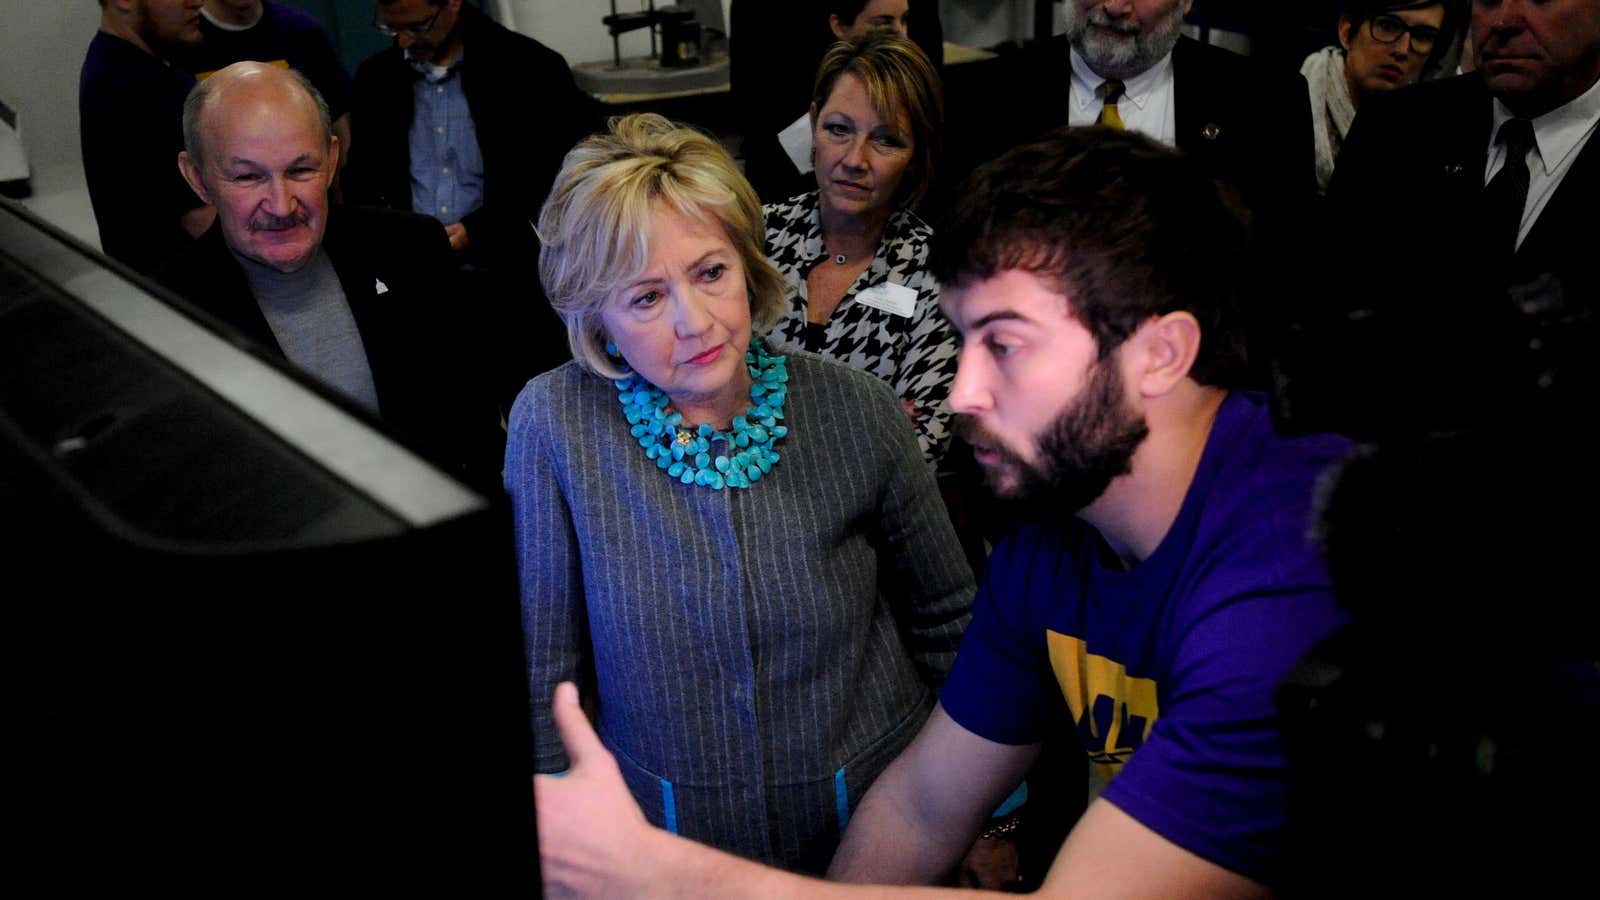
{"points": [[1164, 592]]}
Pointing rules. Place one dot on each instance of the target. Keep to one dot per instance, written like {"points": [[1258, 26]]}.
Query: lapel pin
{"points": [[1454, 169], [379, 286], [1211, 132]]}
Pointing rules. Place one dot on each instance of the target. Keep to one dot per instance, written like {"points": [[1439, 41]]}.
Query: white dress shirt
{"points": [[1558, 137], [1146, 105]]}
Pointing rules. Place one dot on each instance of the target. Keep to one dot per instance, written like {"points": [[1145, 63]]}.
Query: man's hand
{"points": [[457, 234], [592, 835]]}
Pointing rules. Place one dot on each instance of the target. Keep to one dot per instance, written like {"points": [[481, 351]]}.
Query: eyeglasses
{"points": [[415, 29], [1388, 29]]}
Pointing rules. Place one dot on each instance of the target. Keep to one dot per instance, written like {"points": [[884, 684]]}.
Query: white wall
{"points": [[572, 27], [984, 23], [41, 51]]}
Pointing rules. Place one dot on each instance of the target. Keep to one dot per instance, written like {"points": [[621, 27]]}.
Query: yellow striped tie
{"points": [[1110, 91]]}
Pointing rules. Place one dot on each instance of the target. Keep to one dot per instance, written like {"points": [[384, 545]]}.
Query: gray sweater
{"points": [[758, 655]]}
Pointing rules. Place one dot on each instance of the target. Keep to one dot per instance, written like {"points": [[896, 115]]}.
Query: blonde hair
{"points": [[595, 226], [898, 76]]}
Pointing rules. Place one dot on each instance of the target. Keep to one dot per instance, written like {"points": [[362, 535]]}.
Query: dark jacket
{"points": [[130, 115], [425, 374], [1249, 126], [1430, 146], [1425, 331], [527, 113]]}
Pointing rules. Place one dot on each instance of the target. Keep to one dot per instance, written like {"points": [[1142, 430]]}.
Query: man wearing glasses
{"points": [[1383, 45], [467, 121]]}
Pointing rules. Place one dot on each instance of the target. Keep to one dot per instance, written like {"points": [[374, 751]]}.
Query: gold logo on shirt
{"points": [[1113, 711]]}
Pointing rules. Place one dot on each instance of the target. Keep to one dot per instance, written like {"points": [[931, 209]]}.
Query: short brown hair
{"points": [[898, 77], [595, 226], [1127, 229]]}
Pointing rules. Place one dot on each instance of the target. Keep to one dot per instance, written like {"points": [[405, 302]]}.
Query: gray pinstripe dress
{"points": [[759, 655]]}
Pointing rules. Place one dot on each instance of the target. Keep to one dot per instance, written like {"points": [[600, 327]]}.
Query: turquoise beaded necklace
{"points": [[693, 457]]}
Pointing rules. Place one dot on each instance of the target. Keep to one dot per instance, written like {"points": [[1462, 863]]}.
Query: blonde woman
{"points": [[737, 553], [854, 256]]}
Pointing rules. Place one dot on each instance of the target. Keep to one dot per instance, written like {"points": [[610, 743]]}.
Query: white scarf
{"points": [[1332, 110]]}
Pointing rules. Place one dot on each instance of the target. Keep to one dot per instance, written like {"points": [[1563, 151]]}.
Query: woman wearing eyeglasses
{"points": [[1383, 45]]}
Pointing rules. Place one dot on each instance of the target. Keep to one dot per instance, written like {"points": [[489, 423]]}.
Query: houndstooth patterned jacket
{"points": [[915, 355]]}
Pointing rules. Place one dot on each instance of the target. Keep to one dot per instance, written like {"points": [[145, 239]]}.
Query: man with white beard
{"points": [[1124, 64]]}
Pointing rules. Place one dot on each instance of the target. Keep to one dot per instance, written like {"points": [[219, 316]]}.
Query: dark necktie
{"points": [[1110, 92], [1507, 193]]}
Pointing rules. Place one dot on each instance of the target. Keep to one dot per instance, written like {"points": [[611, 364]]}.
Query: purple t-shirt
{"points": [[284, 36], [1169, 669]]}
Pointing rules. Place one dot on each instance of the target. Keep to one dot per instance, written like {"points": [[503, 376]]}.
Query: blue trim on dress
{"points": [[669, 807], [1017, 798], [841, 799]]}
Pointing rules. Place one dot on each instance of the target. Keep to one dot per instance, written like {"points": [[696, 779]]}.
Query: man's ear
{"points": [[333, 153], [1346, 32], [1165, 348], [190, 170], [839, 31]]}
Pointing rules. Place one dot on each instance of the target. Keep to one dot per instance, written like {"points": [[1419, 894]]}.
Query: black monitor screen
{"points": [[255, 639]]}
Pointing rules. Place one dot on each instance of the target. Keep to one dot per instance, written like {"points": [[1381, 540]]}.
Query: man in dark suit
{"points": [[344, 294], [1497, 173], [1123, 63], [468, 122]]}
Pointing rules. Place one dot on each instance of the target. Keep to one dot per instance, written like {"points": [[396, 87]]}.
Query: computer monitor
{"points": [[255, 639]]}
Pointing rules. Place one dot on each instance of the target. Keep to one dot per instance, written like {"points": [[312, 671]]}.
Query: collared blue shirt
{"points": [[446, 165]]}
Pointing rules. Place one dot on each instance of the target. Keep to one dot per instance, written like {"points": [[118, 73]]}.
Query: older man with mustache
{"points": [[344, 294]]}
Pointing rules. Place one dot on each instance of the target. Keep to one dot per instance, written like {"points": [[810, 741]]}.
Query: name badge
{"points": [[891, 298], [796, 141]]}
